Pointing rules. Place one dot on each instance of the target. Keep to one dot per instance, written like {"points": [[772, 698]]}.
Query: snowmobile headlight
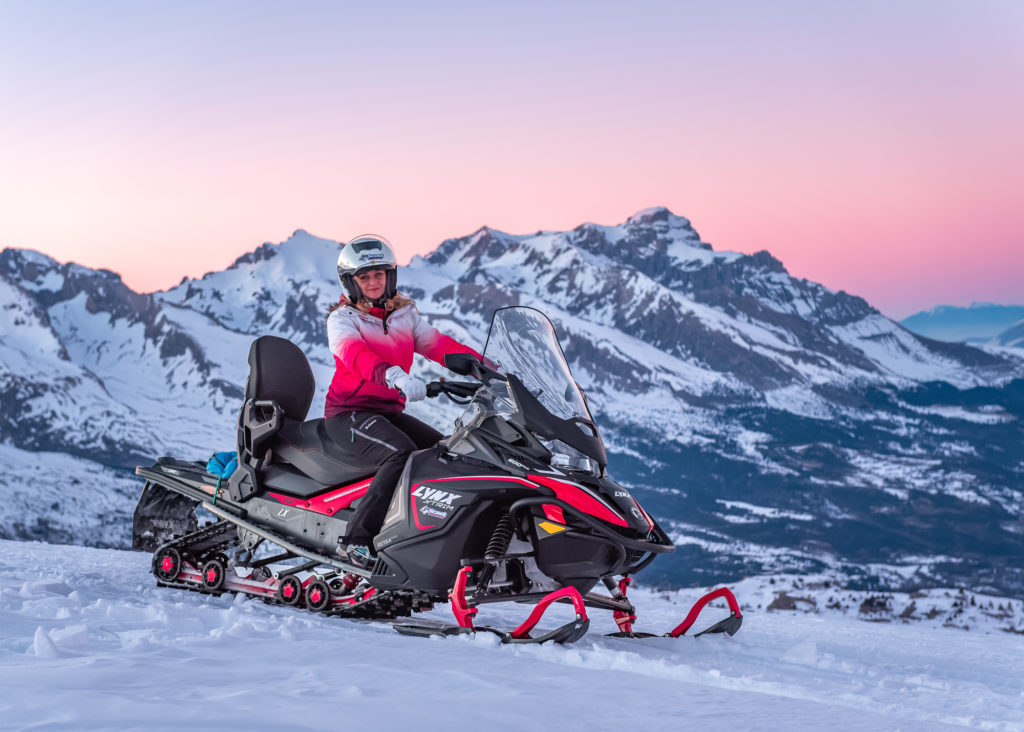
{"points": [[567, 457], [579, 463]]}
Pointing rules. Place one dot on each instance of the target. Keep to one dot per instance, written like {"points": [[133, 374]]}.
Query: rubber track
{"points": [[383, 605], [199, 546]]}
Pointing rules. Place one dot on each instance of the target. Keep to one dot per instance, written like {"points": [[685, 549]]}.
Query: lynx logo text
{"points": [[438, 497]]}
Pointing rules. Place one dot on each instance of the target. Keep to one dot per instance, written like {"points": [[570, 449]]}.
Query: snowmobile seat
{"points": [[316, 448], [272, 433]]}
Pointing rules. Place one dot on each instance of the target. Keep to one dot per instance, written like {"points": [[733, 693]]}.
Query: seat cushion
{"points": [[308, 447]]}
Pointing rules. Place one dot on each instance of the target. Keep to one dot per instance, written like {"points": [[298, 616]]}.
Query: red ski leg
{"points": [[463, 612], [523, 631], [723, 626]]}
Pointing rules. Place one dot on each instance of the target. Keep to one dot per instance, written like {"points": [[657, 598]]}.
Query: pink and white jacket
{"points": [[366, 345]]}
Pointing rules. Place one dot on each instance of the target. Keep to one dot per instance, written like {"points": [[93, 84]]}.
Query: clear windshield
{"points": [[523, 342]]}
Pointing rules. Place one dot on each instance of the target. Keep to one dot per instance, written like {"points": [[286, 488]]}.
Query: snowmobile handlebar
{"points": [[467, 364], [459, 392]]}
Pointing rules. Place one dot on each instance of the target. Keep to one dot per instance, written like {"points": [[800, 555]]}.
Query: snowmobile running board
{"points": [[235, 517], [285, 544]]}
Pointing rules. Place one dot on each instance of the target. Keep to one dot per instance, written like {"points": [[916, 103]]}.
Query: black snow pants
{"points": [[385, 440]]}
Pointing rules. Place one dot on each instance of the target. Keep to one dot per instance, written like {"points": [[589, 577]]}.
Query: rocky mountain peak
{"points": [[25, 264], [663, 227], [651, 241], [668, 225], [262, 253], [51, 282], [483, 245], [653, 215]]}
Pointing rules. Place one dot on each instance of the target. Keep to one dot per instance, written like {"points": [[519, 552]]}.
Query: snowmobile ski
{"points": [[625, 618]]}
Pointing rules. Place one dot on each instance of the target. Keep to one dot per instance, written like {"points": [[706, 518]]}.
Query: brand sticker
{"points": [[437, 497]]}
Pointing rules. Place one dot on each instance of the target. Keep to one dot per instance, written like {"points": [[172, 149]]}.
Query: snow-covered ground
{"points": [[87, 641]]}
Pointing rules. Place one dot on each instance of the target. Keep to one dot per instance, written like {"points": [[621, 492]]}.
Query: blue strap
{"points": [[222, 464]]}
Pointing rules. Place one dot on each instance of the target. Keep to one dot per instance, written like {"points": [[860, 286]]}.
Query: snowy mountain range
{"points": [[982, 322], [770, 423]]}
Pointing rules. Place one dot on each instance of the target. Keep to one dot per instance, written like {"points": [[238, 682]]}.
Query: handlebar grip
{"points": [[433, 389]]}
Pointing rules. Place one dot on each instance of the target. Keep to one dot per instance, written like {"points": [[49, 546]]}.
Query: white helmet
{"points": [[362, 254]]}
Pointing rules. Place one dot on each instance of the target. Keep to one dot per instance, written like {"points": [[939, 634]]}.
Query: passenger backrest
{"points": [[279, 372], [280, 387]]}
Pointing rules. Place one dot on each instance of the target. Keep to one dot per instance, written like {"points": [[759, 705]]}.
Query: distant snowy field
{"points": [[87, 641]]}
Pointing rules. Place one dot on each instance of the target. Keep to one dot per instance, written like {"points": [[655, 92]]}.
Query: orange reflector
{"points": [[550, 527]]}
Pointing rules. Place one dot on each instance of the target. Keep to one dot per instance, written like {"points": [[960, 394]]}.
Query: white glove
{"points": [[413, 388]]}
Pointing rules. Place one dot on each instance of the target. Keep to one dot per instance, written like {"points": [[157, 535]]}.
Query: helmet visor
{"points": [[364, 245]]}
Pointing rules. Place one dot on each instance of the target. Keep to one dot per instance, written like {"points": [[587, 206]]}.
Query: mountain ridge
{"points": [[724, 388]]}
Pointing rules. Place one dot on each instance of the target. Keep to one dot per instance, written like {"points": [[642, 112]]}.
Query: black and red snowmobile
{"points": [[516, 504]]}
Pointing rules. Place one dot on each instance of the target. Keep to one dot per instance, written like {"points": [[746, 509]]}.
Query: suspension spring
{"points": [[496, 547], [500, 538]]}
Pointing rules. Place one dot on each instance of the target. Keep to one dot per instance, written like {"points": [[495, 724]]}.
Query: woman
{"points": [[373, 332]]}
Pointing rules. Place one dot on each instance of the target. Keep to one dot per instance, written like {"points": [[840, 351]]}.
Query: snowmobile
{"points": [[514, 505]]}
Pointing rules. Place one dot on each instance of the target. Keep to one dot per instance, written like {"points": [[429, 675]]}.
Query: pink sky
{"points": [[875, 147]]}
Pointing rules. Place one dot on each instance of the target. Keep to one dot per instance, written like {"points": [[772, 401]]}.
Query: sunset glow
{"points": [[875, 147]]}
